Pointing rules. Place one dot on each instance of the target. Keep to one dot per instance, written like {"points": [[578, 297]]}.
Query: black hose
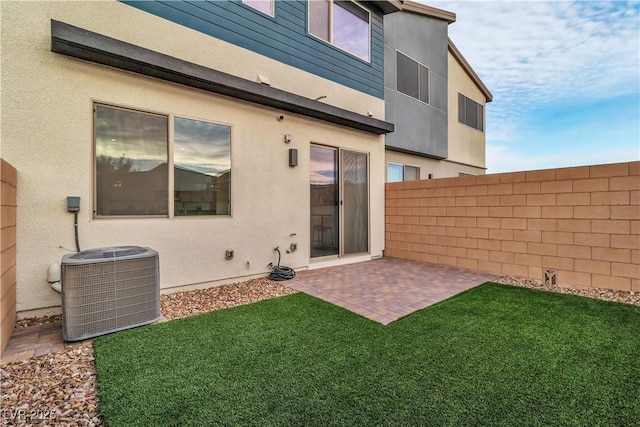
{"points": [[279, 273], [75, 218]]}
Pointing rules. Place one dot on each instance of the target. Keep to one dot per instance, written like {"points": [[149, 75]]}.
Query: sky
{"points": [[565, 79]]}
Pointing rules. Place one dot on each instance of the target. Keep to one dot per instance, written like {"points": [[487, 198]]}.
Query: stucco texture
{"points": [[419, 127], [466, 144], [47, 134]]}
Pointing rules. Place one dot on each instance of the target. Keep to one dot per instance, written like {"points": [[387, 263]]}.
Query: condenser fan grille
{"points": [[102, 295]]}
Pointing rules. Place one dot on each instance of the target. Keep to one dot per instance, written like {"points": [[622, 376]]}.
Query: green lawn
{"points": [[494, 355]]}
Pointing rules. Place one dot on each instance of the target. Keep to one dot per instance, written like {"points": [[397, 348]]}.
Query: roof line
{"points": [[423, 9], [469, 70], [89, 46], [389, 6]]}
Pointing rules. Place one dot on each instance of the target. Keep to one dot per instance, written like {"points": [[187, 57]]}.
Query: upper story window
{"points": [[397, 172], [344, 24], [470, 112], [132, 165], [264, 6], [413, 78]]}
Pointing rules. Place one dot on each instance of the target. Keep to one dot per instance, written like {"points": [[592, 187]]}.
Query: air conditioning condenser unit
{"points": [[106, 290]]}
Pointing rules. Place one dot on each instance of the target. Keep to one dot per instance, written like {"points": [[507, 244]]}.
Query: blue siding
{"points": [[283, 38]]}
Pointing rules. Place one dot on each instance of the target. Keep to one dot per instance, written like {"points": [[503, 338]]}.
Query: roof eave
{"points": [[432, 12], [389, 6], [469, 70], [89, 46]]}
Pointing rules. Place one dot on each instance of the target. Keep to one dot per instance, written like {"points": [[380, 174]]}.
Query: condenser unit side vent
{"points": [[107, 290]]}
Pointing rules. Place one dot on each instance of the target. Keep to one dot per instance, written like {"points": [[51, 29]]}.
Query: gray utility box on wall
{"points": [[109, 289]]}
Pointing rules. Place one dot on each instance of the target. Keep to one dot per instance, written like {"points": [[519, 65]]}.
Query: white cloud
{"points": [[551, 50], [530, 53]]}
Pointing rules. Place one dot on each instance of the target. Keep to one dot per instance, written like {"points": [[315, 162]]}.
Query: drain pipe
{"points": [[53, 277]]}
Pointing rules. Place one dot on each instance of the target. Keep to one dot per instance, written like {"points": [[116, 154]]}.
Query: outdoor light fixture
{"points": [[293, 157]]}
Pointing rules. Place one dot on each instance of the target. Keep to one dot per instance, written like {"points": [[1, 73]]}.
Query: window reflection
{"points": [[324, 201], [319, 19], [264, 6], [342, 23], [202, 168], [351, 28], [398, 172], [132, 168], [131, 162], [395, 172]]}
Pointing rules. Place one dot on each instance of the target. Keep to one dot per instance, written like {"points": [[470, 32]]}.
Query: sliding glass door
{"points": [[339, 183], [355, 197], [325, 209]]}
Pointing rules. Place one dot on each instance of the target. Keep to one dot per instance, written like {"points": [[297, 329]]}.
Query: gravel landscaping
{"points": [[625, 297], [59, 389]]}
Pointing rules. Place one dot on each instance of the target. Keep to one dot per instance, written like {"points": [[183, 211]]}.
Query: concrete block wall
{"points": [[582, 222], [8, 256]]}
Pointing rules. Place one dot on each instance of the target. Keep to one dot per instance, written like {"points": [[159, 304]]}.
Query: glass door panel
{"points": [[355, 196], [325, 239]]}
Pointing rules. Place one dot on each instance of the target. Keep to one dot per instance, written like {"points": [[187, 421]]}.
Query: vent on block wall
{"points": [[109, 289], [550, 277]]}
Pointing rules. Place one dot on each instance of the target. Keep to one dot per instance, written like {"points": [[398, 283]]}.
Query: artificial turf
{"points": [[494, 355]]}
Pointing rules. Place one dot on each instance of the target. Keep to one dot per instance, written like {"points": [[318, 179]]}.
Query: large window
{"points": [[343, 24], [264, 6], [397, 172], [413, 78], [132, 165], [470, 112]]}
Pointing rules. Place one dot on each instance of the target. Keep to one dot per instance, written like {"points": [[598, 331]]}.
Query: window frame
{"points": [[170, 163], [463, 102], [420, 66], [330, 42], [273, 8], [404, 172], [404, 168]]}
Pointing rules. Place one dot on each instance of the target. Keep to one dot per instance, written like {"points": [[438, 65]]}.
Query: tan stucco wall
{"points": [[466, 144], [438, 168], [47, 134]]}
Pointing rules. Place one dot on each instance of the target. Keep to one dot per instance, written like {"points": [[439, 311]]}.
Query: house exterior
{"points": [[424, 75], [468, 97], [200, 128], [194, 128]]}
